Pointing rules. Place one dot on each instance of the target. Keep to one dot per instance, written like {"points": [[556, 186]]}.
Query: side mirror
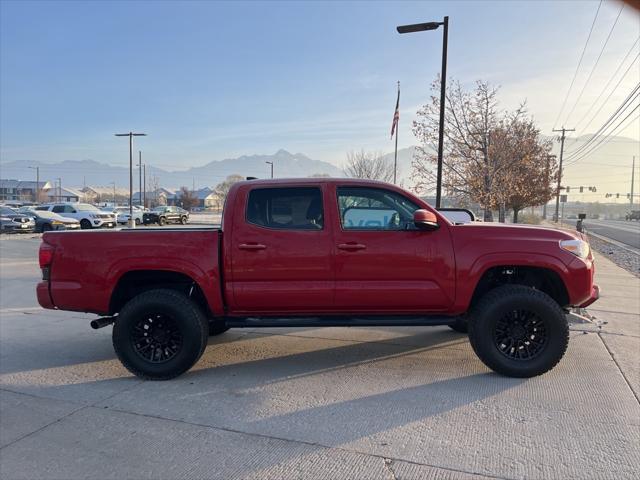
{"points": [[425, 220]]}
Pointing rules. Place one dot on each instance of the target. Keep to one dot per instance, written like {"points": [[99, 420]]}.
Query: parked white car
{"points": [[123, 214], [88, 215]]}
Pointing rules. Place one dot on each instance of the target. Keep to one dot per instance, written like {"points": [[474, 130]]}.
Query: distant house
{"points": [[21, 191], [94, 194], [65, 194]]}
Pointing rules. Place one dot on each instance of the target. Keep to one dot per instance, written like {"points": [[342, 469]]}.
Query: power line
{"points": [[604, 140], [593, 104], [614, 116], [593, 69], [578, 67], [612, 92]]}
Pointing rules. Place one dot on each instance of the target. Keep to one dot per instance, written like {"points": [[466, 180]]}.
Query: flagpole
{"points": [[395, 155]]}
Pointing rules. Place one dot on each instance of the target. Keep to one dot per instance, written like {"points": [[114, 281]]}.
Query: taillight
{"points": [[45, 255]]}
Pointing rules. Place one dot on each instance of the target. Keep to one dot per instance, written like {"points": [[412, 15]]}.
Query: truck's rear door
{"points": [[281, 250]]}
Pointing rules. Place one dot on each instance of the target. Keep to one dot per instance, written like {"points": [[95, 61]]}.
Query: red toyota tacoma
{"points": [[322, 252]]}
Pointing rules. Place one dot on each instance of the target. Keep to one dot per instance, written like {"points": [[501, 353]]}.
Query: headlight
{"points": [[579, 248]]}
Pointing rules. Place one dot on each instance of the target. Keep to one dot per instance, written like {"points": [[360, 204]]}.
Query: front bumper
{"points": [[595, 295]]}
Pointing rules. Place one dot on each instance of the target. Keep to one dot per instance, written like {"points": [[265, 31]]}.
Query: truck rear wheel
{"points": [[160, 334], [518, 331]]}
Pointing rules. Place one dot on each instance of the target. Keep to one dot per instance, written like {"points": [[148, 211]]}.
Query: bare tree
{"points": [[370, 165], [484, 148], [152, 190], [222, 189], [188, 198]]}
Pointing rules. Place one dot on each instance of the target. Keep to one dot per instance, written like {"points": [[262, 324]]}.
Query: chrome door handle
{"points": [[351, 246], [251, 246]]}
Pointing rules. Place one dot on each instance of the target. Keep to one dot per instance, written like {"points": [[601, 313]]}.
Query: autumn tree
{"points": [[486, 151], [369, 165], [188, 198]]}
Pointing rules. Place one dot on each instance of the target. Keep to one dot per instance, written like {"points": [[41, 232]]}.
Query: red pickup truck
{"points": [[322, 252]]}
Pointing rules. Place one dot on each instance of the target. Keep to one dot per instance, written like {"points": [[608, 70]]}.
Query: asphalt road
{"points": [[332, 403], [622, 231]]}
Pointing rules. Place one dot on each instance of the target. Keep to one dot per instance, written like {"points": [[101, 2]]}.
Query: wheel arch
{"points": [[134, 282], [544, 279]]}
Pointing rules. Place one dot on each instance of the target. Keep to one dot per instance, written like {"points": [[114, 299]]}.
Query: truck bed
{"points": [[87, 266]]}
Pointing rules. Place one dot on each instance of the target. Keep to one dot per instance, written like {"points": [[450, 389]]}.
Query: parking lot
{"points": [[356, 403]]}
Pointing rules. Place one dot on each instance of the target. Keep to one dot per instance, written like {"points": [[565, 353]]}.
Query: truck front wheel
{"points": [[160, 334], [518, 331]]}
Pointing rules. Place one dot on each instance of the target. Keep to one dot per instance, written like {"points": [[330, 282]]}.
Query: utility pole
{"points": [[132, 224], [36, 191], [114, 193], [140, 172], [59, 189], [564, 131], [633, 173], [271, 163]]}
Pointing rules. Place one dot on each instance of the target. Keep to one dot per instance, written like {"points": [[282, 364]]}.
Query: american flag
{"points": [[396, 115]]}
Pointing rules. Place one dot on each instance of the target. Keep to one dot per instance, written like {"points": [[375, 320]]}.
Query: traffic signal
{"points": [[568, 189], [593, 189], [581, 189], [617, 195]]}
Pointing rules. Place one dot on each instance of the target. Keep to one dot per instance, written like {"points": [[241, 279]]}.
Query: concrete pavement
{"points": [[387, 403]]}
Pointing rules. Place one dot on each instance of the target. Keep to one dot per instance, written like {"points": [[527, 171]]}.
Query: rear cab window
{"points": [[291, 208]]}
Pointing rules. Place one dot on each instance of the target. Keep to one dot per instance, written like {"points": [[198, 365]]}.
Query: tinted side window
{"points": [[58, 209], [298, 208], [364, 208]]}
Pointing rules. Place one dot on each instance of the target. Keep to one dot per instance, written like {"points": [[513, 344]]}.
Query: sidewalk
{"points": [[617, 318]]}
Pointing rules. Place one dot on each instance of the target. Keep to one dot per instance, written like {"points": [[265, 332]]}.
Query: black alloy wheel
{"points": [[156, 338], [520, 335]]}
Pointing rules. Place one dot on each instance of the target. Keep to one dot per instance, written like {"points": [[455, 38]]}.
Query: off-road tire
{"points": [[162, 221], [137, 221], [183, 220], [85, 224], [461, 325], [188, 317], [506, 300]]}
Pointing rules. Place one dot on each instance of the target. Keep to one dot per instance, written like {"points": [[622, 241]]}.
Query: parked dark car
{"points": [[14, 222], [164, 215], [47, 221]]}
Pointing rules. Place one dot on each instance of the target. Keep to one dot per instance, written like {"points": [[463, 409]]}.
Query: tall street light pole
{"points": [[271, 163], [144, 186], [140, 174], [420, 27], [36, 191], [131, 135]]}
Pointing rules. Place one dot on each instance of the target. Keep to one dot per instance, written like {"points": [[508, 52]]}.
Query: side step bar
{"points": [[339, 321]]}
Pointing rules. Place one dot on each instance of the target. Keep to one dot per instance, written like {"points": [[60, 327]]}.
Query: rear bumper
{"points": [[44, 298], [595, 295]]}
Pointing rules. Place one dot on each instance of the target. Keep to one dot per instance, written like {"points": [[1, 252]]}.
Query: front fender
{"points": [[469, 276]]}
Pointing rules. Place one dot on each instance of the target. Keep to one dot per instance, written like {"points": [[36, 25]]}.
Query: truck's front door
{"points": [[281, 248], [383, 263]]}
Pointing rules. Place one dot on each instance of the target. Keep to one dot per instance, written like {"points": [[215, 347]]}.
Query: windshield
{"points": [[85, 207], [7, 211]]}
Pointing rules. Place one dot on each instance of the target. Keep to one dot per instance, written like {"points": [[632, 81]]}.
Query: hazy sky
{"points": [[213, 80]]}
